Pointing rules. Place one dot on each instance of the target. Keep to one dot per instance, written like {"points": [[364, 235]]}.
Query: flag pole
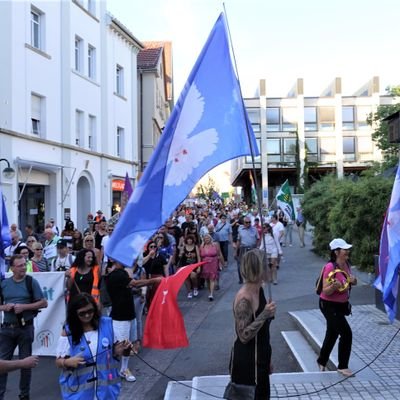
{"points": [[253, 169]]}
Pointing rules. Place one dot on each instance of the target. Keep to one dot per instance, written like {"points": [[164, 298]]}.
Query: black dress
{"points": [[243, 358]]}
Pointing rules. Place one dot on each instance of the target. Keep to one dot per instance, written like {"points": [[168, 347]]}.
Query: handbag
{"points": [[236, 391]]}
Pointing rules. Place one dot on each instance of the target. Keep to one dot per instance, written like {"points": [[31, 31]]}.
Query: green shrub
{"points": [[352, 210]]}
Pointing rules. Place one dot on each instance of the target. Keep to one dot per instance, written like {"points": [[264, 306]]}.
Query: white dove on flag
{"points": [[186, 153]]}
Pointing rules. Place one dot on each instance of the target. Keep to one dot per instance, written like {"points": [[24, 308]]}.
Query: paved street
{"points": [[210, 330]]}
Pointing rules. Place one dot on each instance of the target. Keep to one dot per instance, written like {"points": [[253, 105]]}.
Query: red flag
{"points": [[165, 328]]}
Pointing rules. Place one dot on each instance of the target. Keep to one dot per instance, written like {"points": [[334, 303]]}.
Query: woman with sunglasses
{"points": [[30, 241], [84, 276], [88, 243], [39, 259], [87, 353]]}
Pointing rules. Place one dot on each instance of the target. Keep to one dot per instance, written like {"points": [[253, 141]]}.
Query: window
{"points": [[289, 150], [362, 115], [256, 129], [119, 88], [91, 62], [120, 141], [92, 7], [78, 54], [349, 148], [348, 118], [289, 119], [35, 29], [92, 133], [312, 149], [273, 119], [328, 149], [257, 159], [326, 118], [254, 115], [310, 119], [36, 113], [273, 150], [79, 131]]}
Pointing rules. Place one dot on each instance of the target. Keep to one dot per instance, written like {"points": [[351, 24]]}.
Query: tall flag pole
{"points": [[284, 200], [389, 258], [207, 127], [5, 239]]}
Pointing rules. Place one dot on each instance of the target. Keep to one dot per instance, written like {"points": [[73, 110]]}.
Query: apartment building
{"points": [[68, 109], [309, 137]]}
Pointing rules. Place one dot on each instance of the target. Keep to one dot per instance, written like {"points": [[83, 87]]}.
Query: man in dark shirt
{"points": [[122, 311]]}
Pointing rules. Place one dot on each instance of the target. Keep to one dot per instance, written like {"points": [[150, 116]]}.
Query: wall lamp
{"points": [[8, 172]]}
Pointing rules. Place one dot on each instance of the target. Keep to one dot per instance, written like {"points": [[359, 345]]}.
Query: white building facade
{"points": [[307, 137], [68, 109]]}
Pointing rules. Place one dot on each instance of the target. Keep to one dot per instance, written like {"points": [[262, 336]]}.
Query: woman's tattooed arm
{"points": [[247, 330]]}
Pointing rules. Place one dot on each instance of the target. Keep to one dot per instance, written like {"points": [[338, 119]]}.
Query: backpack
{"points": [[29, 286]]}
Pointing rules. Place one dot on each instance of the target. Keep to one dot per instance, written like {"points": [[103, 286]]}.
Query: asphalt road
{"points": [[210, 330]]}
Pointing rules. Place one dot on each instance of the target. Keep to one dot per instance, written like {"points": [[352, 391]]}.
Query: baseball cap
{"points": [[62, 243], [99, 212], [339, 244]]}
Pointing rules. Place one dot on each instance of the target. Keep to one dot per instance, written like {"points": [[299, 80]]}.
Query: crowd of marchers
{"points": [[106, 302]]}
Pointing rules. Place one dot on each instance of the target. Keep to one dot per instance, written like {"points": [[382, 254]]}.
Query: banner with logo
{"points": [[49, 322]]}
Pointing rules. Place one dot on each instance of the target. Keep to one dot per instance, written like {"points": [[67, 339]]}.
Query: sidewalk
{"points": [[207, 322]]}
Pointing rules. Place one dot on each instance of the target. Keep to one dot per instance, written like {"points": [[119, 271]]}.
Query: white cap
{"points": [[339, 244]]}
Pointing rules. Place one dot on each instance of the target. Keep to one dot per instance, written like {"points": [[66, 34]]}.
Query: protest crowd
{"points": [[196, 233]]}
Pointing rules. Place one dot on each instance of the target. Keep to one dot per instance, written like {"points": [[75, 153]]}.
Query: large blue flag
{"points": [[207, 127], [5, 239], [389, 257]]}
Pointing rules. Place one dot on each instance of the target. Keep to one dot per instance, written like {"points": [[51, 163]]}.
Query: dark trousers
{"points": [[337, 325], [224, 249], [10, 338]]}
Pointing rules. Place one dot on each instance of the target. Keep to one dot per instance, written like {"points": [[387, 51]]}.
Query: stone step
{"points": [[302, 351], [181, 390], [312, 325]]}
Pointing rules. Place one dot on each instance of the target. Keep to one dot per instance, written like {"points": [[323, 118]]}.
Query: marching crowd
{"points": [[104, 296]]}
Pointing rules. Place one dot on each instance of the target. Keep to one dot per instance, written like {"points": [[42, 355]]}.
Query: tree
{"points": [[380, 135], [207, 190]]}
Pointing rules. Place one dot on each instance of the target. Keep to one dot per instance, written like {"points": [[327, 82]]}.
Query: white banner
{"points": [[49, 322]]}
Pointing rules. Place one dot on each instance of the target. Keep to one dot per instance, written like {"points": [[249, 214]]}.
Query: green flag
{"points": [[285, 201]]}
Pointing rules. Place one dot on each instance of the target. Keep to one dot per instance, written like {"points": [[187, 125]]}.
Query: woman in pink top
{"points": [[334, 305]]}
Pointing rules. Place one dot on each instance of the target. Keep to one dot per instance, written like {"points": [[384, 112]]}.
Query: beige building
{"points": [[155, 95], [309, 136]]}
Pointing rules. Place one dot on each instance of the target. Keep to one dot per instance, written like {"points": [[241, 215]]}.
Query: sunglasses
{"points": [[247, 222], [152, 246], [88, 240], [84, 313], [29, 241], [38, 249]]}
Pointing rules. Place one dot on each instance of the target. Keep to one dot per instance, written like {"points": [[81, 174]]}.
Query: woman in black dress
{"points": [[252, 314]]}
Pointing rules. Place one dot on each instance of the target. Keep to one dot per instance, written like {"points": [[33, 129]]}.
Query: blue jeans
{"points": [[10, 338], [137, 323]]}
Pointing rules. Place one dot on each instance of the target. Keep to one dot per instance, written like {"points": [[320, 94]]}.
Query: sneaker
{"points": [[127, 375], [275, 282], [211, 298], [195, 292], [190, 295]]}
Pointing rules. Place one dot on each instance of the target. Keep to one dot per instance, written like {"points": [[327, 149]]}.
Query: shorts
{"points": [[122, 330]]}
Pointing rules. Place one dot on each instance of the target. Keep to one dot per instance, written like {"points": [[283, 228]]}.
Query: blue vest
{"points": [[95, 380]]}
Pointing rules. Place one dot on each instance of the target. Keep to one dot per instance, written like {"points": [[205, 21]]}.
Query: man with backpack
{"points": [[21, 297]]}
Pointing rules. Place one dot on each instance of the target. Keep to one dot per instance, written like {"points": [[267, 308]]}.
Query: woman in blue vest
{"points": [[87, 354]]}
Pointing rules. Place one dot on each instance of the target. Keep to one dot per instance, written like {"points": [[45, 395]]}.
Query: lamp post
{"points": [[8, 172]]}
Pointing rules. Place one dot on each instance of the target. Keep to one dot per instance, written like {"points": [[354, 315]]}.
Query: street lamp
{"points": [[8, 172]]}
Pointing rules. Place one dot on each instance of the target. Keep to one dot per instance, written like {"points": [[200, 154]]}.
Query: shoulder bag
{"points": [[236, 391]]}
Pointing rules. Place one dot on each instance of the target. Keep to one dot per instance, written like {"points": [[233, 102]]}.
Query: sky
{"points": [[279, 40]]}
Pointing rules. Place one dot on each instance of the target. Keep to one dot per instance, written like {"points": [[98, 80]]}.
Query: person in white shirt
{"points": [[279, 233], [64, 259]]}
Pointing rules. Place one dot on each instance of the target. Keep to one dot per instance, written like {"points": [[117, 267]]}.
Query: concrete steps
{"points": [[304, 344]]}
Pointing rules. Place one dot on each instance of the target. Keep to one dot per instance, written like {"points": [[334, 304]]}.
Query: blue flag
{"points": [[5, 239], [207, 127], [389, 259]]}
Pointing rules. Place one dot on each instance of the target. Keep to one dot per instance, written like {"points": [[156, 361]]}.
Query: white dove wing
{"points": [[195, 149], [191, 114]]}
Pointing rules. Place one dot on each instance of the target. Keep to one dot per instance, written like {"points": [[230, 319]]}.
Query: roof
{"points": [[148, 58]]}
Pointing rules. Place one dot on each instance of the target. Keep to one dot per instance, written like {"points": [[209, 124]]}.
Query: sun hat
{"points": [[339, 244]]}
